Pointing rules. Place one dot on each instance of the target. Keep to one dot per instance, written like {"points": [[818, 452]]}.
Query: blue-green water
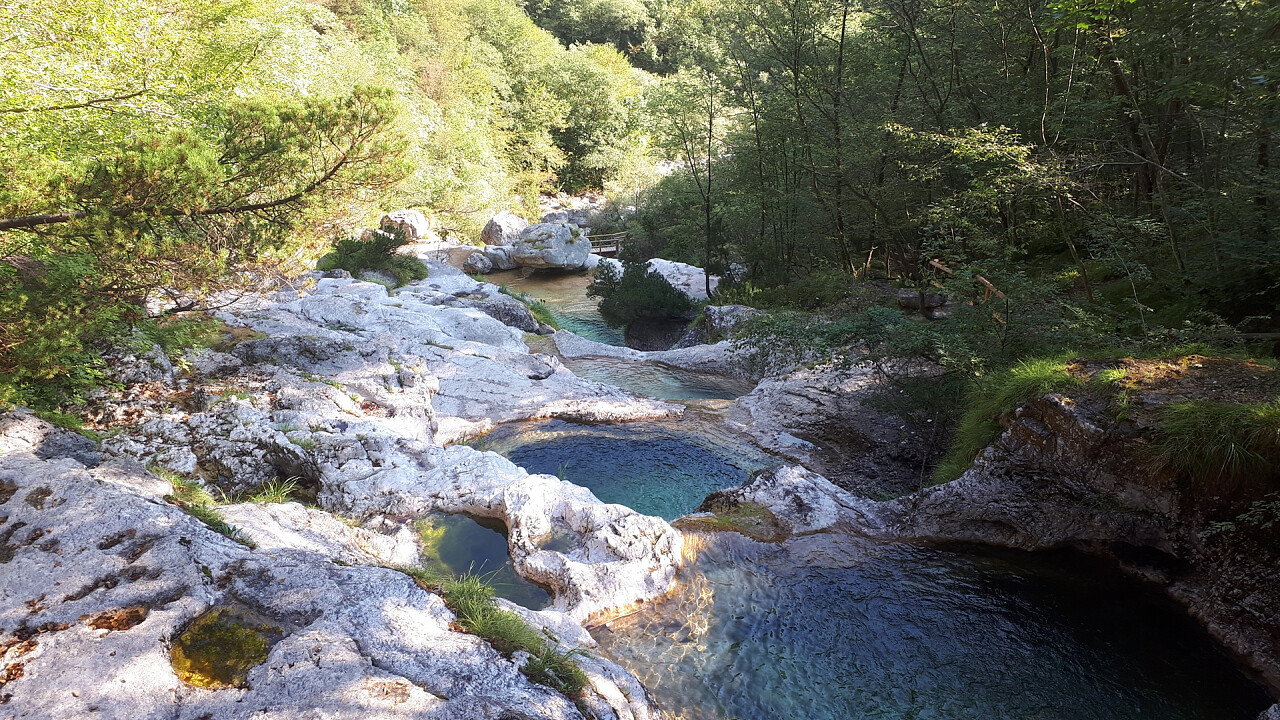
{"points": [[822, 629], [564, 294], [461, 545], [659, 381], [663, 469]]}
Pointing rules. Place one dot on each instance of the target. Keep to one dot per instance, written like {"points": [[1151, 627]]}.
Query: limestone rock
{"points": [[802, 502], [478, 263], [819, 418], [500, 257], [503, 229], [552, 246], [412, 223], [688, 279], [112, 574]]}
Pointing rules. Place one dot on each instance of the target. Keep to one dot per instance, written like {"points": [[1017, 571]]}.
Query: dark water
{"points": [[461, 545], [663, 469], [815, 631], [565, 296]]}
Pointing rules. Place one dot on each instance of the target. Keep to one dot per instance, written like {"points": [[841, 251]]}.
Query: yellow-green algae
{"points": [[221, 646]]}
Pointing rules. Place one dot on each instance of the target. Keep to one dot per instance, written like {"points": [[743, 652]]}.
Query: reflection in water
{"points": [[655, 468], [460, 545], [564, 294], [818, 630]]}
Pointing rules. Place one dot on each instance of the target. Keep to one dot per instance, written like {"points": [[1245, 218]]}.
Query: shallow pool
{"points": [[458, 545], [664, 469], [828, 629]]}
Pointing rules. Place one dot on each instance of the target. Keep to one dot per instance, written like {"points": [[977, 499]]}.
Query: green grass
{"points": [[275, 491], [378, 254], [197, 502], [471, 600], [991, 401], [1216, 444], [537, 308]]}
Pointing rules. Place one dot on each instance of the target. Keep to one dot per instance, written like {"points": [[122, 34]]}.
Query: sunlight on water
{"points": [[822, 630]]}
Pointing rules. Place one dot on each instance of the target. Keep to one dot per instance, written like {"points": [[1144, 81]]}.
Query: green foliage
{"points": [[992, 401], [635, 293], [1220, 445], [378, 254]]}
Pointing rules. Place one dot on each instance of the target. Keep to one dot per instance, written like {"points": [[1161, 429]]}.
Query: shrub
{"points": [[636, 293], [378, 254]]}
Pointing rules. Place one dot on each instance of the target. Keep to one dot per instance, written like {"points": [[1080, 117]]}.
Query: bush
{"points": [[636, 293], [377, 254]]}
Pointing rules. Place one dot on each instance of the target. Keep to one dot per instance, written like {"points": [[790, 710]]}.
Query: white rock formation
{"points": [[412, 223], [503, 229], [552, 246], [101, 575]]}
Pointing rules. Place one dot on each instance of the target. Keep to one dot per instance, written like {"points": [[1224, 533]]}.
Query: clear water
{"points": [[664, 469], [820, 630], [659, 381], [461, 545], [565, 295]]}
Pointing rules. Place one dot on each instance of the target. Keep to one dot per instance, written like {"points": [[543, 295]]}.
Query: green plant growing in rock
{"points": [[376, 254], [991, 401], [472, 601], [197, 502], [275, 491], [1220, 444]]}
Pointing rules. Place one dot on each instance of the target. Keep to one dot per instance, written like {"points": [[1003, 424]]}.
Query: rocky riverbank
{"points": [[353, 393]]}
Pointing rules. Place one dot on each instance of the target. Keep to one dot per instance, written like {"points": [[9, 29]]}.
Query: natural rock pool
{"points": [[460, 545], [828, 628], [664, 469]]}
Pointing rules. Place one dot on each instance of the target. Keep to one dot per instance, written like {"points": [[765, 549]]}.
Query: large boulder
{"points": [[500, 257], [503, 229], [688, 279], [552, 246], [412, 223], [477, 263]]}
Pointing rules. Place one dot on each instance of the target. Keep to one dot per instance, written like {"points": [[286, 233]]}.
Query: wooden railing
{"points": [[607, 244]]}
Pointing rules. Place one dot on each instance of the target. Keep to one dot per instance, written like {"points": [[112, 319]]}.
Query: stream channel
{"points": [[832, 627]]}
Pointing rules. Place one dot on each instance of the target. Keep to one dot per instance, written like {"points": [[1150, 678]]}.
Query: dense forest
{"points": [[1076, 176]]}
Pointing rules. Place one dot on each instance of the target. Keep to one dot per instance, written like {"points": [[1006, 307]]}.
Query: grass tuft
{"points": [[987, 404], [1217, 444], [470, 598], [275, 491], [197, 502]]}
